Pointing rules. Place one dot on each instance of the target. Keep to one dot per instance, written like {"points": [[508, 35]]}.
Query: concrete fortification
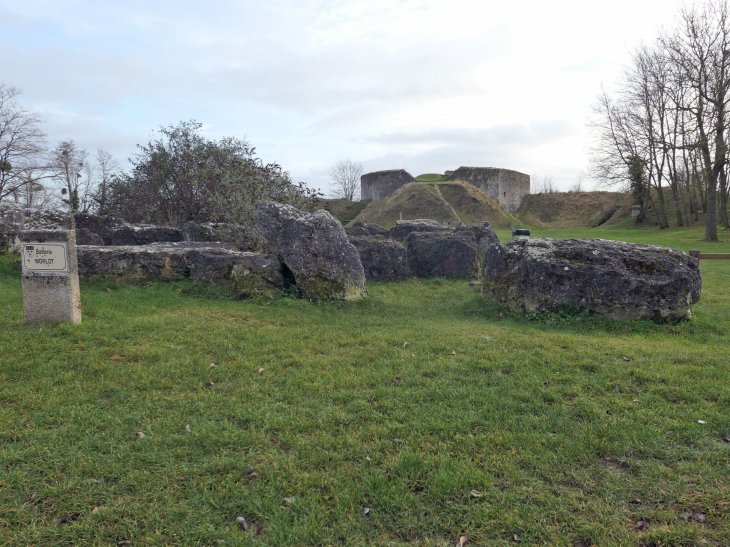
{"points": [[504, 185], [379, 184]]}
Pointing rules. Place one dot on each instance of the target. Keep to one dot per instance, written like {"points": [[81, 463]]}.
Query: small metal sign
{"points": [[45, 257]]}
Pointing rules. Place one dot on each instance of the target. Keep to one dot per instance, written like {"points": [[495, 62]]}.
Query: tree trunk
{"points": [[662, 212]]}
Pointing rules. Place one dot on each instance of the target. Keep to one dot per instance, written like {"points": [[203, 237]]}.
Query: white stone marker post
{"points": [[50, 275]]}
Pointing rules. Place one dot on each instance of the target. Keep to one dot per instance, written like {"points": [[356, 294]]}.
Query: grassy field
{"points": [[685, 238], [414, 417]]}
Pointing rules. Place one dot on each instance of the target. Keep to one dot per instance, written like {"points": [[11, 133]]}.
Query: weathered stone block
{"points": [[443, 255], [623, 281], [365, 228], [134, 263], [483, 234], [144, 234], [403, 228], [84, 236], [382, 259], [314, 246], [101, 225], [256, 274]]}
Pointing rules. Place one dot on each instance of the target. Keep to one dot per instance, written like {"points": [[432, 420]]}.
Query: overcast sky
{"points": [[423, 85]]}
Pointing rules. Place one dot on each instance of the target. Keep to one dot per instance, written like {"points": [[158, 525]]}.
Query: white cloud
{"points": [[429, 85]]}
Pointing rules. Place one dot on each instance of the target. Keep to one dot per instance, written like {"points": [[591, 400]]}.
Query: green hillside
{"points": [[566, 210], [343, 210]]}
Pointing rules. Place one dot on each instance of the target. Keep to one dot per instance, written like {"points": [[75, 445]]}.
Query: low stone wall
{"points": [[245, 273]]}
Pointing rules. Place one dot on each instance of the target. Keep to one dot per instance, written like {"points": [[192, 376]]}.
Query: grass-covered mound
{"points": [[450, 201], [566, 210], [432, 178], [343, 210], [439, 414]]}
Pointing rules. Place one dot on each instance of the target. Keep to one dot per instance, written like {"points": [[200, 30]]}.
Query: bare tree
{"points": [[543, 185], [578, 186], [22, 144], [68, 162], [106, 168], [700, 52], [346, 176]]}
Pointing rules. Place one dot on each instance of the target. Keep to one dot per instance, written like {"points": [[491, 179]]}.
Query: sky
{"points": [[425, 86]]}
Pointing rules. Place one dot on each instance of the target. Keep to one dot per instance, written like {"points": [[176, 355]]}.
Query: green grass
{"points": [[432, 178], [684, 238], [564, 430]]}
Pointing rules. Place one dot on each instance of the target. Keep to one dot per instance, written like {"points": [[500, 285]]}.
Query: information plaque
{"points": [[45, 257]]}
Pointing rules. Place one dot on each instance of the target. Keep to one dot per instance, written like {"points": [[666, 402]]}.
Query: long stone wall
{"points": [[506, 186]]}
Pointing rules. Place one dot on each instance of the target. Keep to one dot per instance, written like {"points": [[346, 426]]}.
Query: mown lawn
{"points": [[508, 430]]}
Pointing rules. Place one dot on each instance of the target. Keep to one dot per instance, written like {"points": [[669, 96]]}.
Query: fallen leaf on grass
{"points": [[140, 435], [290, 500], [641, 525], [636, 401], [32, 498], [210, 384], [116, 357], [501, 316], [261, 371], [463, 540], [636, 501], [453, 352], [368, 458], [405, 345], [95, 511], [627, 359], [242, 522], [212, 365], [108, 289], [397, 440], [517, 538], [187, 428], [699, 517], [476, 494], [123, 541]]}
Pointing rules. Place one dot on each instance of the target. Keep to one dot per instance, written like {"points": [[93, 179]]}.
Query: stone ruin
{"points": [[505, 186], [313, 253], [379, 184]]}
